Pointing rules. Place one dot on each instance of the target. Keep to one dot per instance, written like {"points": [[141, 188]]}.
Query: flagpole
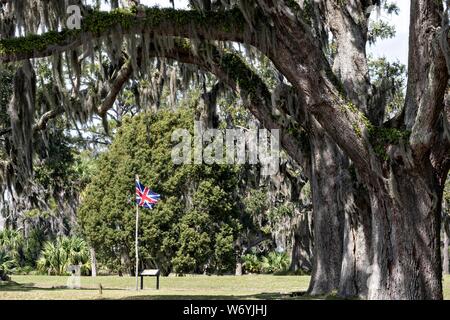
{"points": [[136, 243]]}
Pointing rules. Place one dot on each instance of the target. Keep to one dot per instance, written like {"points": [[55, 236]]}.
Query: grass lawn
{"points": [[189, 287]]}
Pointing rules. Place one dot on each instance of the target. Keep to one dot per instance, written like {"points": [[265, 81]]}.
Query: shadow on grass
{"points": [[12, 286], [259, 296], [30, 287]]}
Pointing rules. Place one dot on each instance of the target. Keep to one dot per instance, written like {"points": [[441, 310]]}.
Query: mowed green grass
{"points": [[189, 287]]}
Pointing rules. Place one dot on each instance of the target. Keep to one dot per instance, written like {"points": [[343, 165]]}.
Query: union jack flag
{"points": [[144, 197]]}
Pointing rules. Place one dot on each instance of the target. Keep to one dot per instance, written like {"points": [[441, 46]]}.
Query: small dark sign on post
{"points": [[150, 273]]}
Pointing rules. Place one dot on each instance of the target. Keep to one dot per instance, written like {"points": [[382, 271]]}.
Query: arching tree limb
{"points": [[309, 76], [123, 76], [225, 25], [232, 71]]}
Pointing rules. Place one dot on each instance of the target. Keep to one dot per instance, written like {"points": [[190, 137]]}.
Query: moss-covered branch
{"points": [[223, 25]]}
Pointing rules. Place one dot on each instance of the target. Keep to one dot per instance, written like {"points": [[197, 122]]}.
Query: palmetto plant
{"points": [[7, 263], [12, 242], [252, 263], [275, 262], [57, 255]]}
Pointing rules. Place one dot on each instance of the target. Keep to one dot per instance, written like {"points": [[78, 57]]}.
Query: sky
{"points": [[179, 4], [397, 47]]}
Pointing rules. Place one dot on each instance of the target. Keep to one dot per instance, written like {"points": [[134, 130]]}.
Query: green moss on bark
{"points": [[381, 138], [33, 42], [244, 76], [100, 22]]}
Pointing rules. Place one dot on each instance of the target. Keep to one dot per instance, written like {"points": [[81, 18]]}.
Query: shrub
{"points": [[275, 262], [251, 263], [24, 250], [58, 255], [12, 242], [7, 264]]}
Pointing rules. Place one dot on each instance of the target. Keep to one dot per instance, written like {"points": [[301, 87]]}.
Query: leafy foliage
{"points": [[193, 227], [380, 30], [58, 255], [7, 264], [252, 264], [273, 262], [17, 253], [390, 79]]}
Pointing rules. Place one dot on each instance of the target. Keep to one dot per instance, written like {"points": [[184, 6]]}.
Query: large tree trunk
{"points": [[406, 236], [350, 66], [357, 255], [328, 217], [342, 227]]}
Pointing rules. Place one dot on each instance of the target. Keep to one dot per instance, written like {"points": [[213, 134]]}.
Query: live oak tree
{"points": [[56, 179], [397, 168]]}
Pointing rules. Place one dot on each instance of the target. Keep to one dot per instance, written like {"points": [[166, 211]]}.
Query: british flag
{"points": [[145, 197]]}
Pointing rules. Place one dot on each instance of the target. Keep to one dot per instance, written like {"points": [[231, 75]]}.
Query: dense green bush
{"points": [[58, 255], [12, 242], [194, 226], [11, 245], [24, 251], [251, 264], [274, 262], [7, 264]]}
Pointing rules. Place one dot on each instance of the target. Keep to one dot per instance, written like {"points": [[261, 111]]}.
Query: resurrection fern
{"points": [[381, 138]]}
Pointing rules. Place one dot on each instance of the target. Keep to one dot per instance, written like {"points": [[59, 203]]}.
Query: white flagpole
{"points": [[136, 242]]}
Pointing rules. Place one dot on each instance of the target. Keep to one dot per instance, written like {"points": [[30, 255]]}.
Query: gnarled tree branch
{"points": [[289, 44], [123, 76], [225, 25]]}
